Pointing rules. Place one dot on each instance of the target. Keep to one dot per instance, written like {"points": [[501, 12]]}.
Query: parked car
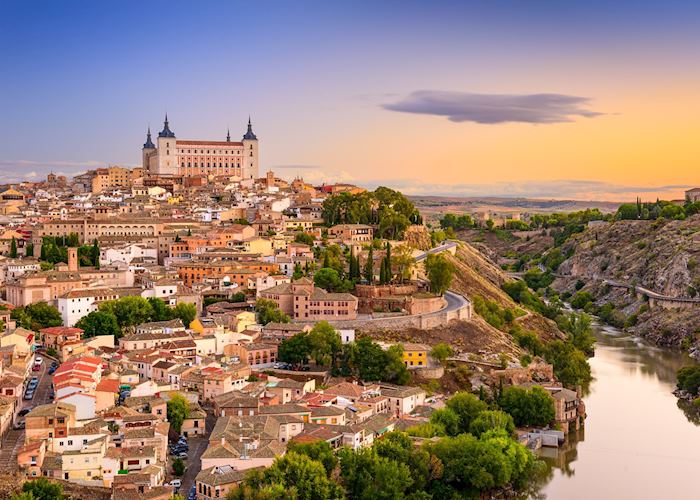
{"points": [[54, 364], [24, 411], [20, 425], [36, 368], [182, 455], [29, 394], [51, 370], [193, 493], [176, 483], [38, 360]]}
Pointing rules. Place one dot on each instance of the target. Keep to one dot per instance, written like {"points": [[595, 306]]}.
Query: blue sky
{"points": [[329, 87]]}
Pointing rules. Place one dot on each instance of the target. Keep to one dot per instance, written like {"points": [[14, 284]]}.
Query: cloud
{"points": [[33, 170], [495, 108]]}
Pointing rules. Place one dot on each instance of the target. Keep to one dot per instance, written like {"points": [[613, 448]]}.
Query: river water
{"points": [[637, 442]]}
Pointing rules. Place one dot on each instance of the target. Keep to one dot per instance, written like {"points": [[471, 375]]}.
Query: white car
{"points": [[176, 483], [38, 360]]}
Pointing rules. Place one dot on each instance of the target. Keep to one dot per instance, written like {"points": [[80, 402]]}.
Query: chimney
{"points": [[72, 259]]}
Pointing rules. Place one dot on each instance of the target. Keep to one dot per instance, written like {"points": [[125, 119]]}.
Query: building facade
{"points": [[172, 156]]}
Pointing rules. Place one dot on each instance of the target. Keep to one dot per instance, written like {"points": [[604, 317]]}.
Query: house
{"points": [[75, 304], [403, 400], [235, 403], [48, 421], [217, 381], [30, 457], [350, 234], [256, 354], [303, 301], [194, 424], [215, 482], [57, 337], [289, 390], [128, 459], [415, 355], [692, 195]]}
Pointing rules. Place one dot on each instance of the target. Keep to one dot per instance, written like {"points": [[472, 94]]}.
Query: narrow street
{"points": [[194, 457], [13, 440]]}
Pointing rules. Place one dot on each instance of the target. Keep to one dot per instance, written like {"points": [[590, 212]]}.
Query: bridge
{"points": [[446, 246], [655, 298]]}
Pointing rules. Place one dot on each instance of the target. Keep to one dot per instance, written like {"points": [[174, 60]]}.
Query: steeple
{"points": [[149, 143], [228, 135], [166, 132], [249, 135]]}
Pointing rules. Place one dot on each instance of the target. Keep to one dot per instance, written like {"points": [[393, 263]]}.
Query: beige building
{"points": [[303, 301], [172, 156]]}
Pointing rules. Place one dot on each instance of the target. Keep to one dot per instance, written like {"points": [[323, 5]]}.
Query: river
{"points": [[636, 443]]}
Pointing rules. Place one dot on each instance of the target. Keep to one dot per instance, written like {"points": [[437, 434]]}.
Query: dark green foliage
{"points": [[99, 323], [330, 280], [178, 467], [581, 299], [578, 328], [391, 211], [493, 314], [490, 420], [440, 272], [305, 238], [570, 364], [369, 267], [178, 410], [268, 312], [37, 316], [320, 451], [456, 222], [536, 279], [528, 407], [43, 489], [660, 209], [519, 292], [13, 248], [237, 297], [467, 407], [689, 379]]}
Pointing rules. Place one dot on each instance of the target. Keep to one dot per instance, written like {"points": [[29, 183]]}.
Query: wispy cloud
{"points": [[495, 108]]}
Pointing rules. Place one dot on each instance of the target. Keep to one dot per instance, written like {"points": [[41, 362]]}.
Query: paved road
{"points": [[14, 439], [194, 457]]}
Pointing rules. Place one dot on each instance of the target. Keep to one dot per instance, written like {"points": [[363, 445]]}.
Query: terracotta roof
{"points": [[209, 143]]}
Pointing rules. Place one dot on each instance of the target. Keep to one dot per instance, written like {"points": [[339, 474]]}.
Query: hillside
{"points": [[661, 256]]}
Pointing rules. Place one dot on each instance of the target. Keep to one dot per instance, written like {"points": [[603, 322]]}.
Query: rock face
{"points": [[417, 236], [662, 256]]}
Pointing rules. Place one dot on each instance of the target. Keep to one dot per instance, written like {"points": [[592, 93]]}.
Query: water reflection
{"points": [[639, 441]]}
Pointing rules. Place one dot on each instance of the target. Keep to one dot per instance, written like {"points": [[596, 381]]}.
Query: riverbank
{"points": [[638, 442]]}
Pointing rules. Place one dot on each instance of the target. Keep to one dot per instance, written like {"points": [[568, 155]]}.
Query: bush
{"points": [[689, 379], [528, 407]]}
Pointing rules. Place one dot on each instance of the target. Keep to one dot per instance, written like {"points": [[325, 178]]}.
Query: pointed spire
{"points": [[166, 132], [228, 135], [149, 143], [249, 135]]}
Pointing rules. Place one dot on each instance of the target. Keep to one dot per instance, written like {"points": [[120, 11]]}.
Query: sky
{"points": [[550, 99]]}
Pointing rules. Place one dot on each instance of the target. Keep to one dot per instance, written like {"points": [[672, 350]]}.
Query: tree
{"points": [[269, 312], [296, 349], [178, 467], [326, 278], [22, 496], [440, 272], [533, 406], [491, 420], [186, 312], [467, 407], [403, 261], [369, 267], [178, 411], [367, 475], [305, 238], [570, 365], [95, 253], [99, 323], [689, 379], [319, 451], [299, 477], [43, 489], [447, 420], [324, 343], [440, 352], [298, 271], [578, 327], [37, 316], [129, 311], [29, 249], [13, 248]]}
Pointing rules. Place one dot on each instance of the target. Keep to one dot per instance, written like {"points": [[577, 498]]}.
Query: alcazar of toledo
{"points": [[173, 156]]}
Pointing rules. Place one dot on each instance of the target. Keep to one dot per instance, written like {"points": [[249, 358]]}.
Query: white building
{"points": [[75, 304], [172, 156], [127, 253]]}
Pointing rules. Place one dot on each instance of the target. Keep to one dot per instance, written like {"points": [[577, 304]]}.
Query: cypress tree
{"points": [[13, 248], [326, 259], [369, 266]]}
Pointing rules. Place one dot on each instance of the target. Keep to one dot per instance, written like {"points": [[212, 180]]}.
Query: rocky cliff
{"points": [[662, 256]]}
